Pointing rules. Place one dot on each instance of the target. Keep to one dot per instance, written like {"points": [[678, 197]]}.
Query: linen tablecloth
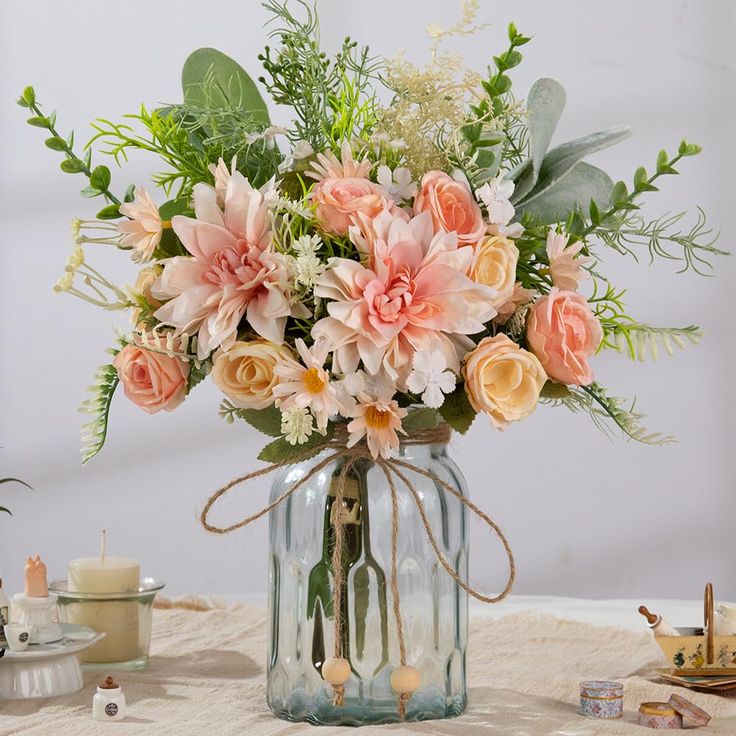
{"points": [[207, 676]]}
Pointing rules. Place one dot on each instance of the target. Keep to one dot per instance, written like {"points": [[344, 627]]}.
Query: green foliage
{"points": [[210, 79], [457, 411], [417, 419], [98, 405], [280, 450], [605, 410], [332, 98], [99, 177], [3, 509], [496, 131], [197, 374], [162, 135], [266, 420]]}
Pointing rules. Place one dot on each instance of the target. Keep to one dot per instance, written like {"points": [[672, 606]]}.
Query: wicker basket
{"points": [[701, 655]]}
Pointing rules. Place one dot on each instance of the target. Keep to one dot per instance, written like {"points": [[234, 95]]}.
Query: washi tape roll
{"points": [[689, 711], [601, 699], [659, 715]]}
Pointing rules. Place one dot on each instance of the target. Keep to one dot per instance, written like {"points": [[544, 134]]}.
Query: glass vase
{"points": [[434, 609]]}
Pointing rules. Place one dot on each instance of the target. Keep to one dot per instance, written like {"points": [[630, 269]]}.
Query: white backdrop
{"points": [[586, 517]]}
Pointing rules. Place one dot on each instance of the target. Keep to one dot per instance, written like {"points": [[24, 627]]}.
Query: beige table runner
{"points": [[208, 677]]}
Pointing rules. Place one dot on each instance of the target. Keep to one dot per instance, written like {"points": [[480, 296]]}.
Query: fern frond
{"points": [[641, 341], [183, 347], [98, 405], [604, 409]]}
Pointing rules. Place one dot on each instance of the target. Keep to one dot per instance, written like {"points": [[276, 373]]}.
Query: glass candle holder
{"points": [[125, 618]]}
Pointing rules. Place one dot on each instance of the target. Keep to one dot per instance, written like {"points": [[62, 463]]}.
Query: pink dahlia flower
{"points": [[233, 272], [413, 294]]}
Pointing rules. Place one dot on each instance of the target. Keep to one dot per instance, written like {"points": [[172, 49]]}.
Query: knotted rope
{"points": [[392, 468]]}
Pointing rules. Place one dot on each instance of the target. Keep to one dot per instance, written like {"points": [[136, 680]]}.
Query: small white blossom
{"points": [[307, 245], [431, 378], [306, 269], [297, 424], [496, 195], [302, 149], [398, 183], [267, 135]]}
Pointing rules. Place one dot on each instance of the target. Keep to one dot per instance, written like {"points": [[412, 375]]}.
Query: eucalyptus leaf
{"points": [[212, 79], [574, 190], [545, 103], [174, 207], [561, 159], [457, 411]]}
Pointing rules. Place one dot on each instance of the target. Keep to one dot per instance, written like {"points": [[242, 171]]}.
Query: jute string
{"points": [[393, 468]]}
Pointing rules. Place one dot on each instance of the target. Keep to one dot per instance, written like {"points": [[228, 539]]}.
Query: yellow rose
{"points": [[245, 372], [495, 265], [503, 380]]}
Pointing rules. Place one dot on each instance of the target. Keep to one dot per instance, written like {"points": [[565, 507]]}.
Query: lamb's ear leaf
{"points": [[457, 411], [573, 191], [562, 158], [212, 79], [545, 103]]}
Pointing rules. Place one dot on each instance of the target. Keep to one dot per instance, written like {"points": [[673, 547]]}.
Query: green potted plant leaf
{"points": [[12, 480]]}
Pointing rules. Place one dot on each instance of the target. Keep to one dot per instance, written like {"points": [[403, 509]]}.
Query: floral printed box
{"points": [[690, 652]]}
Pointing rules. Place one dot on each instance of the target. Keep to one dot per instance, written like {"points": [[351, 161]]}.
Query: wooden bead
{"points": [[336, 670], [405, 679]]}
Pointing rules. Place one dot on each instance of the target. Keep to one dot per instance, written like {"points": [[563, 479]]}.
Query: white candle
{"points": [[117, 618]]}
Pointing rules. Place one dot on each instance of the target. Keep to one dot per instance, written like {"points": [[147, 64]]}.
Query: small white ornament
{"points": [[108, 703]]}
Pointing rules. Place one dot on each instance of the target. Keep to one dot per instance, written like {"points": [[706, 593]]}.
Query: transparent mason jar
{"points": [[434, 608]]}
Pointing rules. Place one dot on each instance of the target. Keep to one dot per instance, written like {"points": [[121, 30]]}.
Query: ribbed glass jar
{"points": [[434, 608]]}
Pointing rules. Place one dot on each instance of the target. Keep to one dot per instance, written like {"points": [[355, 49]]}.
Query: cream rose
{"points": [[153, 381], [494, 265], [503, 380], [142, 286], [245, 372]]}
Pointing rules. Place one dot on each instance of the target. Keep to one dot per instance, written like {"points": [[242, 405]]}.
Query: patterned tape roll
{"points": [[689, 711], [659, 715], [601, 699]]}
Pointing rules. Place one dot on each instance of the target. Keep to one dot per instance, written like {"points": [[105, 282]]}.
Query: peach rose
{"points": [[152, 381], [452, 207], [563, 332], [339, 200], [494, 265], [503, 380], [142, 286], [246, 372]]}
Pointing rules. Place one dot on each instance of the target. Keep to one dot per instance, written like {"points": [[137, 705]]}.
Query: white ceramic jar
{"points": [[108, 703]]}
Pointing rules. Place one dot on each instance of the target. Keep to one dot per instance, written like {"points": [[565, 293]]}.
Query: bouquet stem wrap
{"points": [[394, 470]]}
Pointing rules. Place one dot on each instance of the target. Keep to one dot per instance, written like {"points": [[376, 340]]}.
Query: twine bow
{"points": [[393, 468]]}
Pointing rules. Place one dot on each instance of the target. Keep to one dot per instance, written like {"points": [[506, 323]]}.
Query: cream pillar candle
{"points": [[117, 618]]}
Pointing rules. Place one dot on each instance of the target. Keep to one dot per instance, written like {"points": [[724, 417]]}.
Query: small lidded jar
{"points": [[659, 715], [601, 699], [108, 704]]}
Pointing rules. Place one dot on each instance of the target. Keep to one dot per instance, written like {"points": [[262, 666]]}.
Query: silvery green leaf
{"points": [[582, 183], [562, 158], [545, 102], [212, 79]]}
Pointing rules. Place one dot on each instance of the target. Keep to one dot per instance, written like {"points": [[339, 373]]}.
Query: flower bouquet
{"points": [[409, 252]]}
